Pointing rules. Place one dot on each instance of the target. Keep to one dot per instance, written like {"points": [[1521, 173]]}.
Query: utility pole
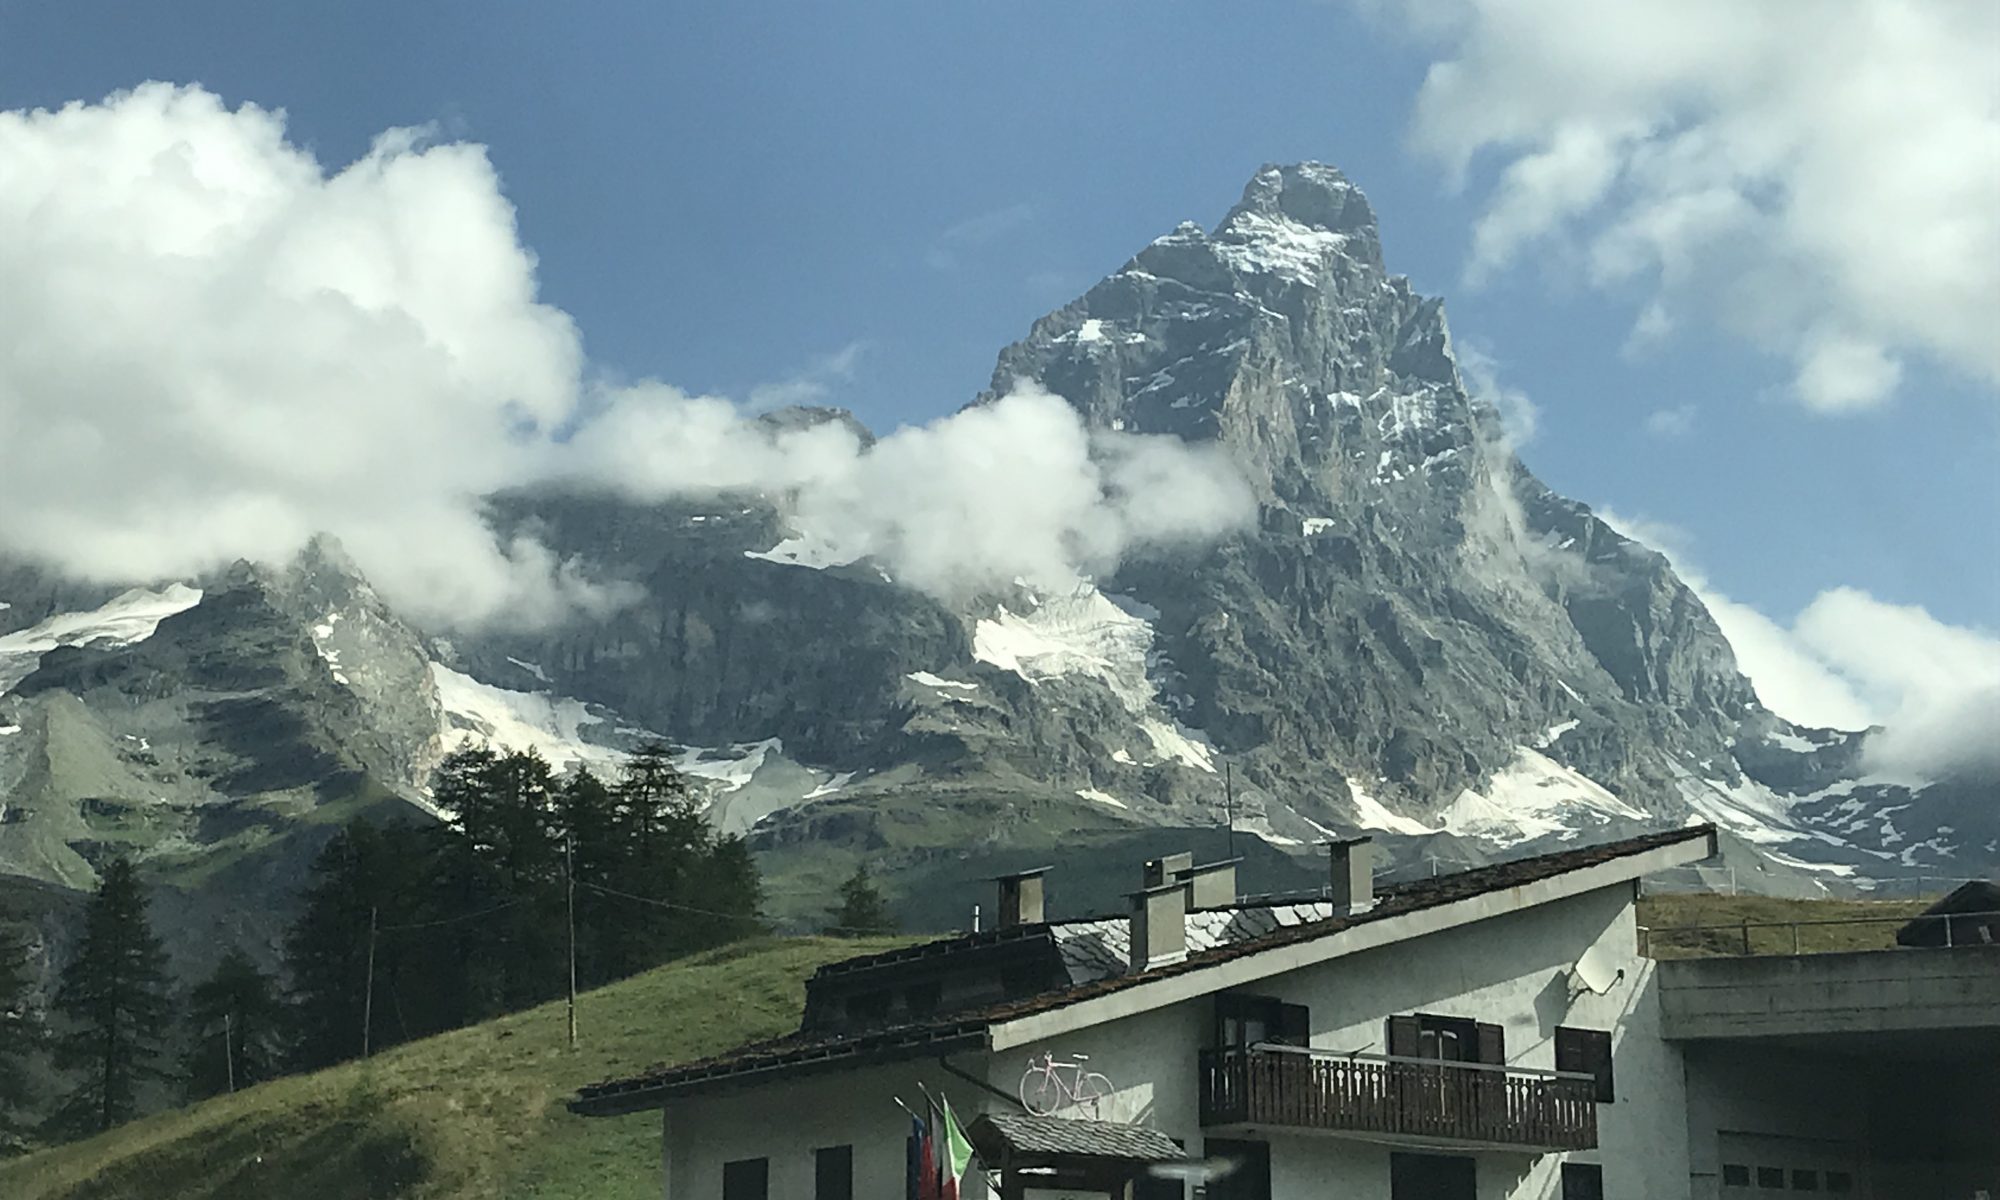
{"points": [[569, 890], [368, 994], [1229, 803], [229, 1051]]}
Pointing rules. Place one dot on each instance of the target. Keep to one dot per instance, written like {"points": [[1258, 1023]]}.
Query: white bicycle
{"points": [[1048, 1085]]}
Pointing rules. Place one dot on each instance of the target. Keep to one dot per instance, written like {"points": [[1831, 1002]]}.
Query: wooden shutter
{"points": [[1492, 1045], [1403, 1037], [1293, 1026], [1587, 1051]]}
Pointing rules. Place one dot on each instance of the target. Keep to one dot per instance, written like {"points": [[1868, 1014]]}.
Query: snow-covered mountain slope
{"points": [[124, 620]]}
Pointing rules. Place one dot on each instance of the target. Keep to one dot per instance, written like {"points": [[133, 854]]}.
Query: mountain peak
{"points": [[1311, 194]]}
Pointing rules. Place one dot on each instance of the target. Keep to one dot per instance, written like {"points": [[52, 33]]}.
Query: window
{"points": [[1736, 1175], [1583, 1181], [1772, 1178], [1804, 1181], [747, 1179], [1243, 1021], [1587, 1052], [1451, 1039], [1432, 1177], [833, 1173], [1839, 1183]]}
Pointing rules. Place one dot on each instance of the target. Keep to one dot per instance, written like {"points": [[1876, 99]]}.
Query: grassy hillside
{"points": [[475, 1113], [1673, 918]]}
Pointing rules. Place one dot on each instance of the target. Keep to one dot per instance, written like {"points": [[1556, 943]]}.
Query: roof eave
{"points": [[639, 1098], [1368, 935]]}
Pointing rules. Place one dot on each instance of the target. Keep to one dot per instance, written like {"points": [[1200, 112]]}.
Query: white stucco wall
{"points": [[786, 1123], [1509, 969]]}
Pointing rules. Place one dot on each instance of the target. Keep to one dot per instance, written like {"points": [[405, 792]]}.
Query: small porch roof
{"points": [[1007, 1137]]}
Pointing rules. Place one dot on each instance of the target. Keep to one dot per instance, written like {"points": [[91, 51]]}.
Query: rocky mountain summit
{"points": [[1416, 639]]}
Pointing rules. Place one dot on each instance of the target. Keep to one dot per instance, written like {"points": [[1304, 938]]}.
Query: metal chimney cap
{"points": [[1030, 873]]}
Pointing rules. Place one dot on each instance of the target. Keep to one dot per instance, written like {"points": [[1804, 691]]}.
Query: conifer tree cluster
{"points": [[470, 918], [404, 931]]}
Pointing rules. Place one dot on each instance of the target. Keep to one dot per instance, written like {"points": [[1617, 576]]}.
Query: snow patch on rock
{"points": [[1089, 634], [1101, 797], [481, 715], [806, 550], [1371, 813], [125, 620], [731, 767], [1534, 796]]}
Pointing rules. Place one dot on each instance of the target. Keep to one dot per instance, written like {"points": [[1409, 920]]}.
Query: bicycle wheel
{"points": [[1090, 1089], [1040, 1093]]}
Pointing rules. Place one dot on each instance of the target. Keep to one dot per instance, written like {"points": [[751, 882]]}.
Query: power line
{"points": [[453, 920], [709, 912]]}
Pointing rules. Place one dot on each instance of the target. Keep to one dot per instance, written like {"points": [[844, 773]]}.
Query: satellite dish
{"points": [[1594, 973]]}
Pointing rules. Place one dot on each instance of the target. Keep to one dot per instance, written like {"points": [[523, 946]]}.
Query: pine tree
{"points": [[20, 1037], [659, 836], [587, 825], [862, 911], [363, 876], [235, 1028], [114, 998]]}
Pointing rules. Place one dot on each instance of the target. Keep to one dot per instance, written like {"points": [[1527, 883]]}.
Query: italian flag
{"points": [[954, 1152]]}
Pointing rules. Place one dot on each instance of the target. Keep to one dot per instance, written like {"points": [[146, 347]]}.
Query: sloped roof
{"points": [[997, 1136], [1929, 929], [801, 1052]]}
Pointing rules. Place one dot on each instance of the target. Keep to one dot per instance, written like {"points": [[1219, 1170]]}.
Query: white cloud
{"points": [[1822, 178], [1017, 488], [1675, 422], [1519, 415], [213, 347], [1849, 661], [814, 384], [974, 231]]}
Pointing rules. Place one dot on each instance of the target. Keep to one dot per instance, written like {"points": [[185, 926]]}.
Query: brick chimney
{"points": [[1021, 895], [1353, 874], [1159, 925]]}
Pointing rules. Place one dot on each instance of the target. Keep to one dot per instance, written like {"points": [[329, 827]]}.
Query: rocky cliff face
{"points": [[1417, 639]]}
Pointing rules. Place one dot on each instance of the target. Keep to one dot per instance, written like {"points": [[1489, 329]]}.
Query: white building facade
{"points": [[1492, 1035]]}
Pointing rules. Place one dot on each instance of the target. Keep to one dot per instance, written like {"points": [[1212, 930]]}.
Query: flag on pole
{"points": [[927, 1176], [954, 1152], [913, 1185]]}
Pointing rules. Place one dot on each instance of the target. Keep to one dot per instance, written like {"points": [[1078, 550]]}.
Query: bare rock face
{"points": [[1417, 639]]}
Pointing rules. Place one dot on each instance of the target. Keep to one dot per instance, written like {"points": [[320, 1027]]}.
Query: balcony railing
{"points": [[1413, 1101]]}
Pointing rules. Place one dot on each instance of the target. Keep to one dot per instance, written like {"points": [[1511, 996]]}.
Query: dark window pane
{"points": [[1840, 1183], [747, 1179], [1250, 1176], [1432, 1177], [1771, 1177], [1736, 1174], [1805, 1181], [833, 1173], [1583, 1181]]}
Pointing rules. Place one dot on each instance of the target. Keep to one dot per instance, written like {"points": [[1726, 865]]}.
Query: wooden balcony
{"points": [[1402, 1101]]}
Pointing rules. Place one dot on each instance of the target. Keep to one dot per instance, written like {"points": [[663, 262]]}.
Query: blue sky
{"points": [[728, 196]]}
